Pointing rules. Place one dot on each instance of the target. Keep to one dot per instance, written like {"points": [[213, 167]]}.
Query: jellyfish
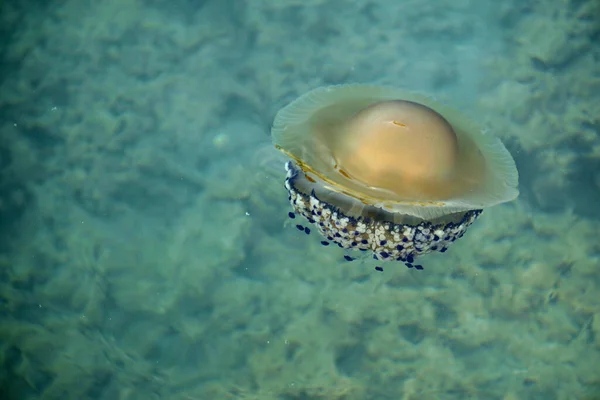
{"points": [[388, 172]]}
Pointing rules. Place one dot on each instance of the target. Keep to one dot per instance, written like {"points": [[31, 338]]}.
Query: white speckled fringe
{"points": [[387, 241]]}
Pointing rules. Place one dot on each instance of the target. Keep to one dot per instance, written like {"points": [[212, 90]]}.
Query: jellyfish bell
{"points": [[382, 170]]}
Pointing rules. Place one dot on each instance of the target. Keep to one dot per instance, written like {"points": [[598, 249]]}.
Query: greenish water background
{"points": [[144, 248]]}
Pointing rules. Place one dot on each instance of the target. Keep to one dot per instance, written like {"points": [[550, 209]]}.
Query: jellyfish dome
{"points": [[386, 171]]}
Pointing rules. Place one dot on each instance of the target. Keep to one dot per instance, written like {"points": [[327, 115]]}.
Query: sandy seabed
{"points": [[145, 251]]}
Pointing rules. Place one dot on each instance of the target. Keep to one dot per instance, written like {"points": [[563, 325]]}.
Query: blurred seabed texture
{"points": [[144, 247]]}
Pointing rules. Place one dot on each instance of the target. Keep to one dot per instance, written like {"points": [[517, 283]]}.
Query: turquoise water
{"points": [[145, 248]]}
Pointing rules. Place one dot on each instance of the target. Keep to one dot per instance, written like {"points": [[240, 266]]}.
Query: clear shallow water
{"points": [[144, 246]]}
